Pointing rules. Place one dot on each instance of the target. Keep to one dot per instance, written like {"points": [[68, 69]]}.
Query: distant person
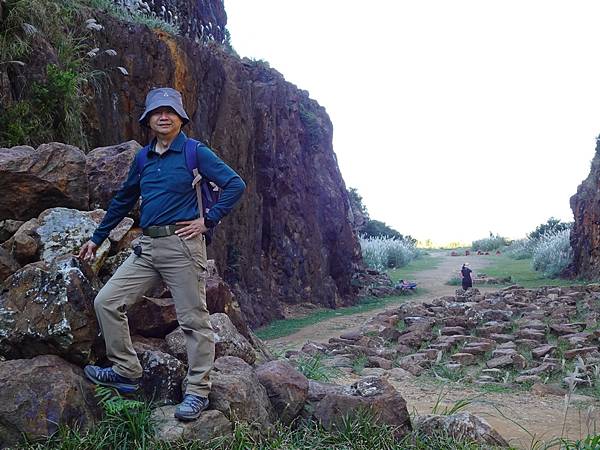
{"points": [[465, 274]]}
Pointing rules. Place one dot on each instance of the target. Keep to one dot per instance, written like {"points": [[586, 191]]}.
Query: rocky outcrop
{"points": [[290, 239], [47, 309], [585, 234], [33, 180], [38, 395]]}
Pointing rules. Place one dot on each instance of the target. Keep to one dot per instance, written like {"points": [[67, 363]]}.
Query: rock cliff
{"points": [[289, 240], [585, 235]]}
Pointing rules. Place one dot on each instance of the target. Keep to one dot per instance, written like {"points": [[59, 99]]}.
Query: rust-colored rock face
{"points": [[289, 239], [585, 235]]}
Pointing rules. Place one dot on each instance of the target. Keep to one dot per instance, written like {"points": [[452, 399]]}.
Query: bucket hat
{"points": [[164, 96]]}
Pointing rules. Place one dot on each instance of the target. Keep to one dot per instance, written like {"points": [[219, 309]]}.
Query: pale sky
{"points": [[451, 118]]}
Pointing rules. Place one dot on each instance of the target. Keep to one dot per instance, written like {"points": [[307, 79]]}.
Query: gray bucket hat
{"points": [[164, 96]]}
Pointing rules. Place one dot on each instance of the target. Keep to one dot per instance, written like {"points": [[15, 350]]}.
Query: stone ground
{"points": [[529, 417]]}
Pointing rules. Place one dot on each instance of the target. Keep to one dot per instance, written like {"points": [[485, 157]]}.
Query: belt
{"points": [[158, 231]]}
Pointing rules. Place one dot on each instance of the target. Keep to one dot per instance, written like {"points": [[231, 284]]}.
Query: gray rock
{"points": [[209, 425], [48, 309], [462, 426], [228, 341]]}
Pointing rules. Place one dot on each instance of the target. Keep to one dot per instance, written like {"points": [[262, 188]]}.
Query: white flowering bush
{"points": [[521, 248], [552, 253], [382, 253]]}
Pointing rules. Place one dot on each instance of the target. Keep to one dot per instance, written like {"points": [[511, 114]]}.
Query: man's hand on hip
{"points": [[88, 251], [191, 229]]}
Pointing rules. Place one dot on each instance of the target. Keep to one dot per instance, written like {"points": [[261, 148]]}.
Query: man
{"points": [[172, 248]]}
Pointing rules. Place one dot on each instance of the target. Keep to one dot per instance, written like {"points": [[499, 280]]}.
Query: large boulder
{"points": [[33, 180], [331, 404], [48, 309], [38, 395], [107, 169], [237, 392], [286, 387], [461, 426]]}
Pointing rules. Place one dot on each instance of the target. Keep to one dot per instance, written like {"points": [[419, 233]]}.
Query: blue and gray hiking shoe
{"points": [[108, 377], [191, 407]]}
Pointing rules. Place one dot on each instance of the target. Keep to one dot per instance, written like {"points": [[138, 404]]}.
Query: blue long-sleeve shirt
{"points": [[165, 185]]}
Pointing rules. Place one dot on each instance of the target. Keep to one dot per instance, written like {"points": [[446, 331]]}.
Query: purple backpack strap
{"points": [[191, 155]]}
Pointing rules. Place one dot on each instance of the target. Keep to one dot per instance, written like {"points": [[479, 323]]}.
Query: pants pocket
{"points": [[195, 250]]}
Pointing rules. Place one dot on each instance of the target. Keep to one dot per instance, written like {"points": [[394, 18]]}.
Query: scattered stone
{"points": [[570, 354], [548, 389], [461, 426], [152, 317], [465, 359]]}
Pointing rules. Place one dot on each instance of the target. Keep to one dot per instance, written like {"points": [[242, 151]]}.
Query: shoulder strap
{"points": [[191, 160]]}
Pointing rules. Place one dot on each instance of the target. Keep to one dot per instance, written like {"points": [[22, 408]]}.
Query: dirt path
{"points": [[543, 418], [433, 280]]}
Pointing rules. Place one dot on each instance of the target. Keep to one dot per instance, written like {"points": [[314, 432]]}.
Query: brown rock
{"points": [[286, 387], [107, 169], [41, 394], [570, 354], [8, 265], [152, 317], [49, 176], [464, 358], [543, 350], [237, 392], [548, 389], [373, 394]]}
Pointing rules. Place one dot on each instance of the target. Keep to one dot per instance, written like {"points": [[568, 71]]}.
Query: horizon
{"points": [[469, 128]]}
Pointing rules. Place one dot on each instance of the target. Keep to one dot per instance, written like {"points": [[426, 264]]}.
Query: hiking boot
{"points": [[108, 377], [191, 407]]}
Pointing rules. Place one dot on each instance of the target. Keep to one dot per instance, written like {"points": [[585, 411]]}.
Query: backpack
{"points": [[209, 191]]}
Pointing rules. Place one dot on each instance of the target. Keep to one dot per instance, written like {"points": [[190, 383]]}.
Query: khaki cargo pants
{"points": [[182, 266]]}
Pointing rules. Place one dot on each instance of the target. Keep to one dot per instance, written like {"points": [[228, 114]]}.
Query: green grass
{"points": [[522, 274], [285, 327], [409, 271]]}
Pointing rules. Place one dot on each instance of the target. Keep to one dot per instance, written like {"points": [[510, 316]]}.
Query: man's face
{"points": [[165, 121]]}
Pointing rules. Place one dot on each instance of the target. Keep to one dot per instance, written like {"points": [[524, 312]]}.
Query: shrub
{"points": [[521, 249], [312, 367], [489, 244], [381, 253], [553, 253]]}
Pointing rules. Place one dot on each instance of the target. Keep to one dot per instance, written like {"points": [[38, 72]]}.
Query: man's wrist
{"points": [[208, 223]]}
